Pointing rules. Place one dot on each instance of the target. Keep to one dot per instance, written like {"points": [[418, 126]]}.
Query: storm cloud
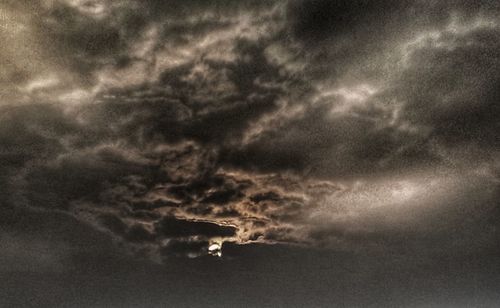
{"points": [[168, 126]]}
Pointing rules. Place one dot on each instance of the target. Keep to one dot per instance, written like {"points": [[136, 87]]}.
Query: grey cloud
{"points": [[172, 227], [182, 249], [458, 96], [330, 146], [326, 146], [244, 132], [74, 177], [361, 35]]}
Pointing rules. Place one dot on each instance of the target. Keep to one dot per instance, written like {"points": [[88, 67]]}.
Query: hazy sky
{"points": [[329, 153]]}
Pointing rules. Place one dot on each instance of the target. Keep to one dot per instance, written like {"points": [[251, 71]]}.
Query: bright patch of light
{"points": [[42, 83], [215, 249], [343, 99], [93, 8], [75, 97], [404, 191], [358, 93]]}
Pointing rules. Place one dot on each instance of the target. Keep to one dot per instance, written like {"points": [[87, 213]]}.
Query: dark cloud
{"points": [[453, 90], [139, 234], [347, 145], [223, 197], [185, 248], [172, 227], [267, 196], [37, 131], [319, 20], [79, 176], [344, 36], [329, 130]]}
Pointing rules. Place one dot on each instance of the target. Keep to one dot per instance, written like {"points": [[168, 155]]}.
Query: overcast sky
{"points": [[249, 153]]}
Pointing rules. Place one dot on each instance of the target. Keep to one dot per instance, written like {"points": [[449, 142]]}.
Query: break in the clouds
{"points": [[173, 126]]}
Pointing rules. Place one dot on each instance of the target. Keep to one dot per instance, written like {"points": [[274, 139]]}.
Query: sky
{"points": [[249, 153]]}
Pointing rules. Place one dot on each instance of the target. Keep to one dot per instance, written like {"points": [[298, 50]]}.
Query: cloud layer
{"points": [[173, 125]]}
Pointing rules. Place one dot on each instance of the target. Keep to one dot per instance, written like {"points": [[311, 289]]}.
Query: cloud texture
{"points": [[172, 125]]}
